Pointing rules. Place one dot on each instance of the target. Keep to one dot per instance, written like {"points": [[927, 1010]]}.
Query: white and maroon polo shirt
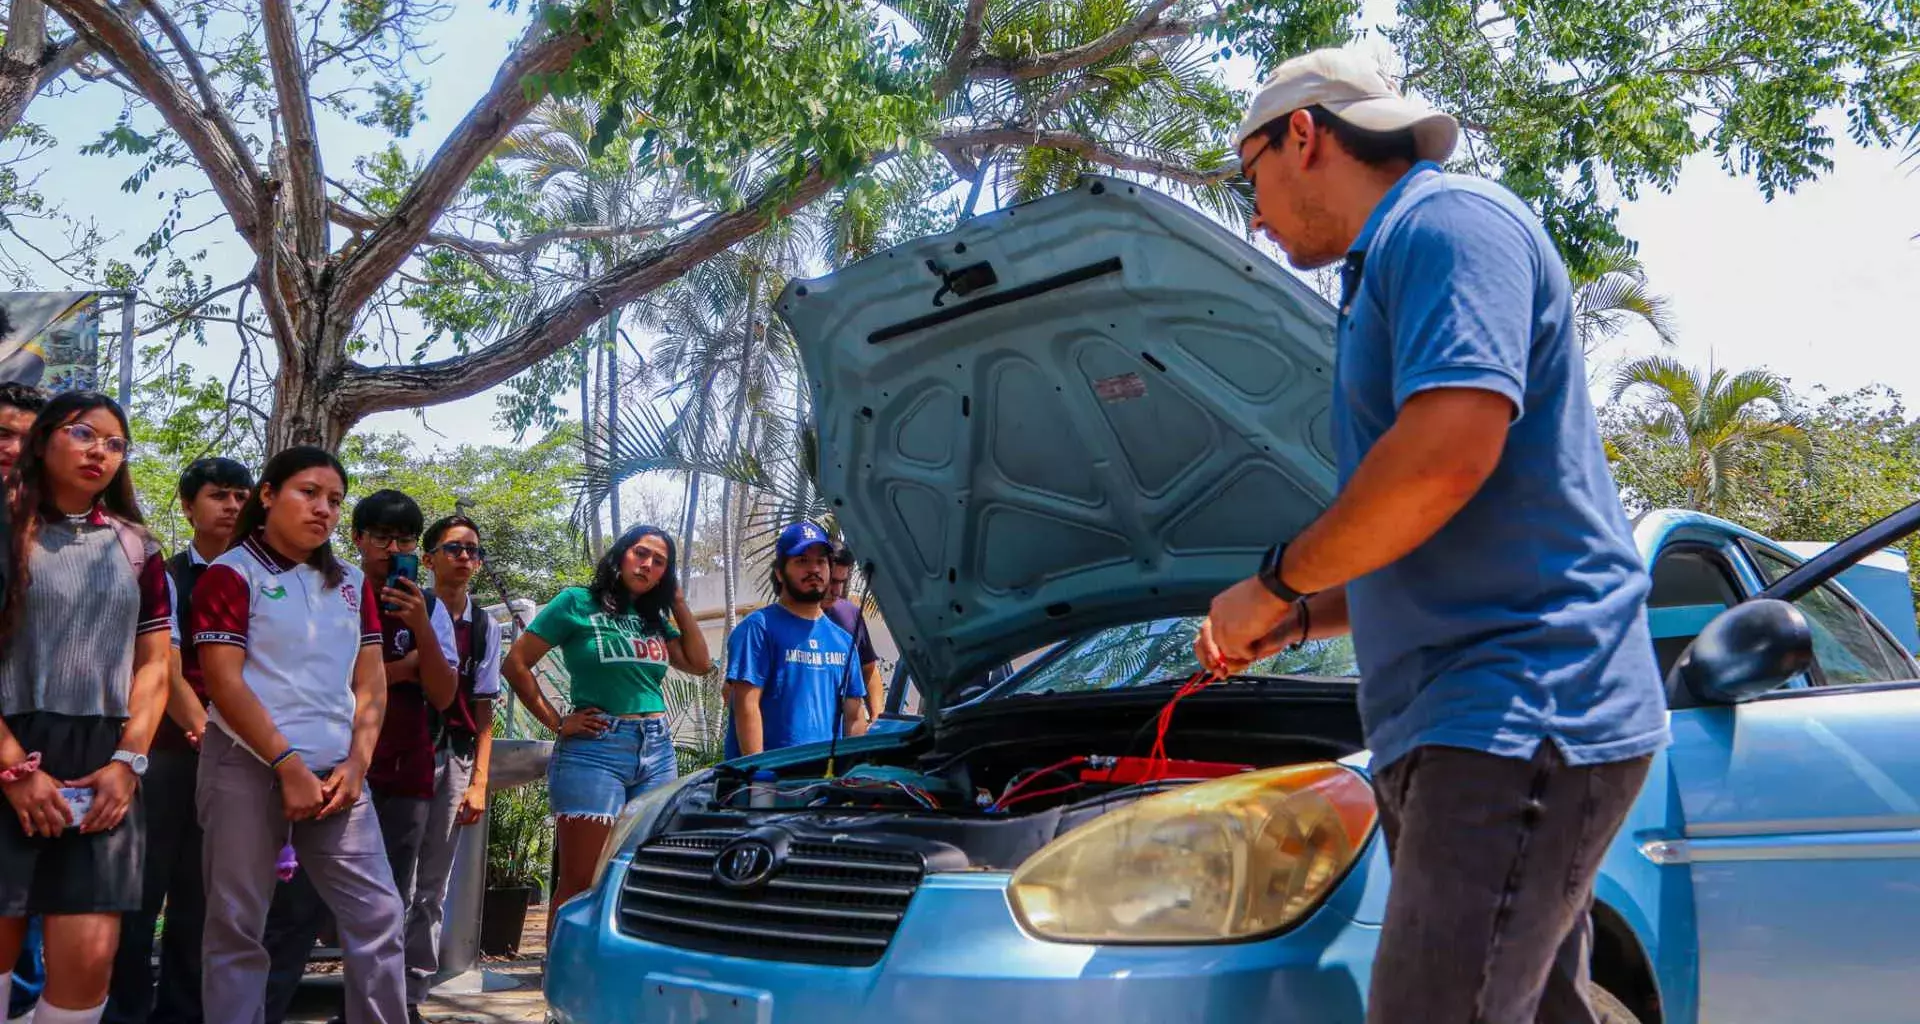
{"points": [[302, 638]]}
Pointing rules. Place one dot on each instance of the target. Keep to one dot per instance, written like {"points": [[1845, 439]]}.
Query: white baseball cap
{"points": [[1350, 85]]}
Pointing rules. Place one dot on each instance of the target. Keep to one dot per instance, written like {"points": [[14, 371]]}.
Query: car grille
{"points": [[829, 903]]}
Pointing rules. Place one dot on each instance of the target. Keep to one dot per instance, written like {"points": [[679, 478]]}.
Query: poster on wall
{"points": [[52, 339]]}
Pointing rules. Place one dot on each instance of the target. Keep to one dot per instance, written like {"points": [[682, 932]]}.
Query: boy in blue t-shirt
{"points": [[789, 674]]}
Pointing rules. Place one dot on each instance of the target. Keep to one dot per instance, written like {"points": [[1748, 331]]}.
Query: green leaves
{"points": [[730, 80], [1578, 105]]}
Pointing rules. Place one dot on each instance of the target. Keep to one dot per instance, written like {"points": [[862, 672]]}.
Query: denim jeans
{"points": [[594, 776], [1493, 866]]}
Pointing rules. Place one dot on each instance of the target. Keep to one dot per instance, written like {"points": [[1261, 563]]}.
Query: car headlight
{"points": [[1234, 858], [638, 816]]}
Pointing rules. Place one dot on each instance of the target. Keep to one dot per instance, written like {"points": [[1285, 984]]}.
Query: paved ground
{"points": [[512, 986]]}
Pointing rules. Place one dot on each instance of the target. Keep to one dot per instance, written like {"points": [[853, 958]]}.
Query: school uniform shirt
{"points": [[801, 667], [302, 638], [183, 577], [403, 756], [479, 670]]}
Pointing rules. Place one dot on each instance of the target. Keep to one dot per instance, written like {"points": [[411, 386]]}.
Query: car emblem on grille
{"points": [[745, 864]]}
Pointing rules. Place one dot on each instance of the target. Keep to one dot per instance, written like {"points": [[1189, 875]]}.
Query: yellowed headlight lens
{"points": [[1228, 859]]}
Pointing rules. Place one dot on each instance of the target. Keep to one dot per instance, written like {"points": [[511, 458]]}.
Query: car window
{"points": [[1847, 648], [1146, 653], [1691, 585]]}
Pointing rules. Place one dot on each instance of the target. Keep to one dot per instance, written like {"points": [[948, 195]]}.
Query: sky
{"points": [[1821, 286]]}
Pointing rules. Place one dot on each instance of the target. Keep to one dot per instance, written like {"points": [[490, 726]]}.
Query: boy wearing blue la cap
{"points": [[790, 677]]}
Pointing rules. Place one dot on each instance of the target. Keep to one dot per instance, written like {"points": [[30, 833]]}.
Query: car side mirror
{"points": [[1747, 650]]}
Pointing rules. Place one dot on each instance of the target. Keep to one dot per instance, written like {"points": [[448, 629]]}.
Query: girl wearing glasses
{"points": [[616, 636], [289, 645], [84, 641]]}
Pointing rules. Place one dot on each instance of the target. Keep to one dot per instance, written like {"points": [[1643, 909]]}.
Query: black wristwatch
{"points": [[1270, 575]]}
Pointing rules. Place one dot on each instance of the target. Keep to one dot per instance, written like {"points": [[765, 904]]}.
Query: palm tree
{"points": [[552, 152], [1724, 424], [1613, 293]]}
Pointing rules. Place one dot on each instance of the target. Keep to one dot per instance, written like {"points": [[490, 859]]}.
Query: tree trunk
{"points": [[743, 384], [302, 414], [595, 542], [612, 420], [23, 62], [699, 407], [689, 518]]}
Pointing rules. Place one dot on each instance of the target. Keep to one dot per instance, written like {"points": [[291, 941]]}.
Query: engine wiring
{"points": [[1155, 774], [1021, 782]]}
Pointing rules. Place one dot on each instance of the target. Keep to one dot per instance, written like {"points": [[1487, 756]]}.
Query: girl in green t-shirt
{"points": [[616, 636]]}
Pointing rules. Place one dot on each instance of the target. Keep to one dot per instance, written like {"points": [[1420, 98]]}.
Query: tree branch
{"points": [[30, 61], [1086, 149], [192, 308], [361, 391], [304, 189], [962, 56], [212, 106], [505, 104], [1145, 25], [347, 217], [231, 172]]}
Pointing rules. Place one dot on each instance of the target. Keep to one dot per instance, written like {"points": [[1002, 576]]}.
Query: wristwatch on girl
{"points": [[137, 762]]}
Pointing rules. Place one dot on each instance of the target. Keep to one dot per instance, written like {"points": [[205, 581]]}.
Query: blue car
{"points": [[1070, 423]]}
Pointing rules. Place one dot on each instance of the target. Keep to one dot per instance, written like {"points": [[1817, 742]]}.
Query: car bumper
{"points": [[960, 955]]}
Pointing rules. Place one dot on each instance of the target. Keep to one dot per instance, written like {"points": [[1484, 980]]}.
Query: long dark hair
{"points": [[611, 594], [276, 473], [33, 499]]}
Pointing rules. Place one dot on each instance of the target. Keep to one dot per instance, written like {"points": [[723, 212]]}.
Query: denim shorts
{"points": [[594, 776]]}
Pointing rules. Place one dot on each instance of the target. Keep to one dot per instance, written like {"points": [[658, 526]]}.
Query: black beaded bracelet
{"points": [[1306, 625]]}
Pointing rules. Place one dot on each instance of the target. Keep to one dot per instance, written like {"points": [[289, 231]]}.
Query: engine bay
{"points": [[991, 789]]}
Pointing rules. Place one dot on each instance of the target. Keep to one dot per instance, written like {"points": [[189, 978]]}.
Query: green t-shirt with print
{"points": [[616, 662]]}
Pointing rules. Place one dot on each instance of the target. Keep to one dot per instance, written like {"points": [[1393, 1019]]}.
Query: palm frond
{"points": [[1671, 381], [1606, 306]]}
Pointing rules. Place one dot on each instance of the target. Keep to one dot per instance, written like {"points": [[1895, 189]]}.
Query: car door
{"points": [[1802, 823]]}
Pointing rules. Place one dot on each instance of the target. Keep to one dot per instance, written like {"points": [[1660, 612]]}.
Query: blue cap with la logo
{"points": [[799, 537]]}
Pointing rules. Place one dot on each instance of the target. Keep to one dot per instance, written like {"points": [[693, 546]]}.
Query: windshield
{"points": [[1160, 650]]}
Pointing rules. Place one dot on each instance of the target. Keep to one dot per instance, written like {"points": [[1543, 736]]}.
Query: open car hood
{"points": [[1094, 408]]}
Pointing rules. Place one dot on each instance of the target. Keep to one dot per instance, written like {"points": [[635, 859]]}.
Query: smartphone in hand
{"points": [[406, 566], [79, 802]]}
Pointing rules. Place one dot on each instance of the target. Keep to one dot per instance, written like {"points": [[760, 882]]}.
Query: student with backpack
{"points": [[464, 744], [83, 682], [417, 645]]}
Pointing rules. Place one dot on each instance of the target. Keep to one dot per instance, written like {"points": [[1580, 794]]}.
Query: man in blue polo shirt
{"points": [[790, 672], [1477, 551]]}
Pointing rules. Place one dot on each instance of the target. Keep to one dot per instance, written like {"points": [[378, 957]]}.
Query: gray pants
{"points": [[1493, 866], [452, 775], [241, 813]]}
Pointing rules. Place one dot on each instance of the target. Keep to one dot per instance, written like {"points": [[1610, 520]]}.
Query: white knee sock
{"points": [[6, 994], [49, 1014]]}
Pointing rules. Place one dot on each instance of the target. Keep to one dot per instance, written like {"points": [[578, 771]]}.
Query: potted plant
{"points": [[519, 850]]}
